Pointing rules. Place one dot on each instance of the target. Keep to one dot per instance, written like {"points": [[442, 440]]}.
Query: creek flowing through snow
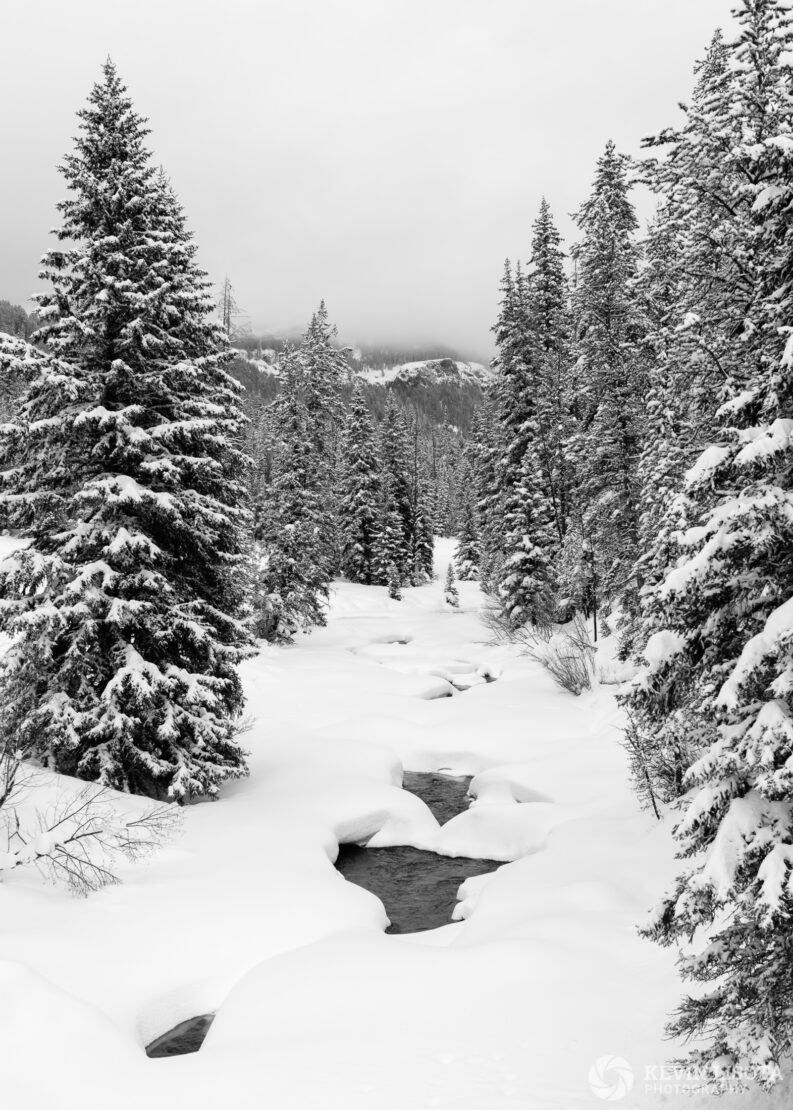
{"points": [[418, 888]]}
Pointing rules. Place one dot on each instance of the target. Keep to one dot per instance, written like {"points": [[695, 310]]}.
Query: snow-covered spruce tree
{"points": [[394, 582], [524, 582], [323, 372], [694, 287], [671, 407], [490, 436], [124, 606], [419, 524], [668, 433], [360, 491], [611, 379], [486, 451], [527, 580], [549, 326], [421, 540], [390, 549], [260, 442], [707, 216], [700, 276], [467, 555], [294, 564], [450, 594], [397, 502], [724, 620]]}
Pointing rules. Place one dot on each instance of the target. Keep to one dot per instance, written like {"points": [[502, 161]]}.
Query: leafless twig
{"points": [[78, 840]]}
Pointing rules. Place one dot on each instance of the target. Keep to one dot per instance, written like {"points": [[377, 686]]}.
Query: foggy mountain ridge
{"points": [[443, 390]]}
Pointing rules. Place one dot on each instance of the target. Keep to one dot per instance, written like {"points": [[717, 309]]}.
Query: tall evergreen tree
{"points": [[671, 409], [549, 327], [486, 440], [294, 562], [527, 580], [467, 556], [421, 540], [395, 541], [360, 491], [609, 329], [419, 527], [326, 370], [524, 579], [391, 555], [722, 620], [124, 605], [708, 215], [693, 288], [323, 371]]}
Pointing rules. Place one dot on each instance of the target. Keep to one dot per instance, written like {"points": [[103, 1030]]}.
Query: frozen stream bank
{"points": [[417, 888]]}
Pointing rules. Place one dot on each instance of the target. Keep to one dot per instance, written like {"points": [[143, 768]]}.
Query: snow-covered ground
{"points": [[511, 1006]]}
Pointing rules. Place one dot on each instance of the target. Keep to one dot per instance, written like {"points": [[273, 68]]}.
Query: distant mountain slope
{"points": [[434, 371], [444, 390]]}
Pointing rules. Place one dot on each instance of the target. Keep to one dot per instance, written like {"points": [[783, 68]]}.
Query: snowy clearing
{"points": [[244, 914]]}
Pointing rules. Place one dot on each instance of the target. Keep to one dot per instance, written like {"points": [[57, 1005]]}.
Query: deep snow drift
{"points": [[511, 1006]]}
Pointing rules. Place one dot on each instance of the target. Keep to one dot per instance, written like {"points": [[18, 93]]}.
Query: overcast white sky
{"points": [[386, 156]]}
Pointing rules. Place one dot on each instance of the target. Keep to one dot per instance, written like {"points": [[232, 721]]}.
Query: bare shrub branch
{"points": [[79, 840], [565, 650]]}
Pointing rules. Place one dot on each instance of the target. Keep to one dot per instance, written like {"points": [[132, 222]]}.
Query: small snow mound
{"points": [[508, 783], [497, 831]]}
